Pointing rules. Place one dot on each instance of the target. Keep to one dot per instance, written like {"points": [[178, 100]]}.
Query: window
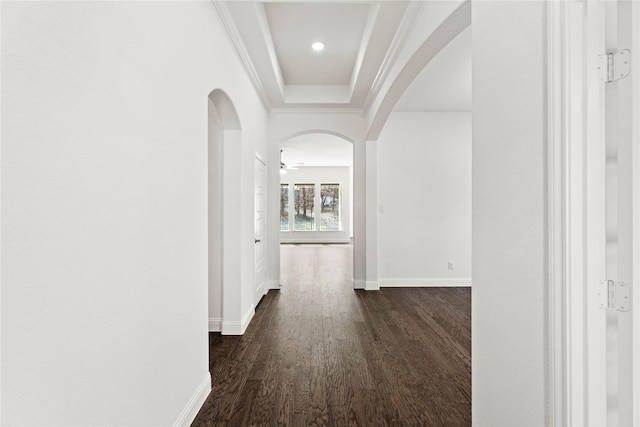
{"points": [[303, 197], [330, 207], [284, 207]]}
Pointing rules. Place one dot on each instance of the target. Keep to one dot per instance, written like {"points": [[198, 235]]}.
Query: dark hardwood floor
{"points": [[319, 353]]}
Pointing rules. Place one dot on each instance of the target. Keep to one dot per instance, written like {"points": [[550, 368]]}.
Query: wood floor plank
{"points": [[241, 416], [284, 403], [319, 353], [318, 412], [355, 359], [302, 389], [263, 410], [368, 409], [228, 388]]}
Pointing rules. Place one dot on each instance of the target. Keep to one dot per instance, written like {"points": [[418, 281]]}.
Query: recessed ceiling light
{"points": [[318, 46]]}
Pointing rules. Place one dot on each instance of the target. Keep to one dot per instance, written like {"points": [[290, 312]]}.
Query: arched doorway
{"points": [[224, 259], [316, 186], [348, 128]]}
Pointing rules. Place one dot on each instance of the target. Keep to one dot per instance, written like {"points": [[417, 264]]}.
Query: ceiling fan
{"points": [[292, 166]]}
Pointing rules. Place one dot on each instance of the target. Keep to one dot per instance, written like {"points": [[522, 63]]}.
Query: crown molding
{"points": [[236, 40], [316, 110], [404, 29], [367, 33], [263, 22]]}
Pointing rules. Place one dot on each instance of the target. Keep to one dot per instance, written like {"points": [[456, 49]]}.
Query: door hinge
{"points": [[614, 66], [615, 295]]}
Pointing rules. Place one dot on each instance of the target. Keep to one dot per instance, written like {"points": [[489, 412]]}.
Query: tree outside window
{"points": [[304, 198], [330, 207]]}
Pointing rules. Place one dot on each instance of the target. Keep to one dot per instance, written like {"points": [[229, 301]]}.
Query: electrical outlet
{"points": [[450, 265]]}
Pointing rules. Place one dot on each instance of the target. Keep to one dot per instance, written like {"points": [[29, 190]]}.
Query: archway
{"points": [[316, 167], [224, 259], [449, 29], [367, 157], [285, 126]]}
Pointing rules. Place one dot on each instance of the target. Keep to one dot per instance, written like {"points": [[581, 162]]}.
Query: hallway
{"points": [[320, 353]]}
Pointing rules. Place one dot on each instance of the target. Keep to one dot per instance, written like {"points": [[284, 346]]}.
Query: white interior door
{"points": [[260, 230]]}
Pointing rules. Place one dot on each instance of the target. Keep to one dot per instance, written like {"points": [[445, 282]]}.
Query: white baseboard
{"points": [[194, 404], [235, 327], [263, 289], [315, 241], [426, 283], [372, 285], [274, 284], [358, 284], [215, 324]]}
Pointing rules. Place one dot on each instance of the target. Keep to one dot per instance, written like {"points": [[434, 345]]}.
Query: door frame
{"points": [[577, 335], [260, 289], [572, 140]]}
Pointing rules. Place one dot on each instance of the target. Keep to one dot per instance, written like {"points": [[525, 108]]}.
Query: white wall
{"points": [[424, 178], [320, 175], [509, 211], [104, 207]]}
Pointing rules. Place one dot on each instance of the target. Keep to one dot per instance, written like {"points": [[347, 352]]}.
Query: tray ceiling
{"points": [[273, 40], [296, 26]]}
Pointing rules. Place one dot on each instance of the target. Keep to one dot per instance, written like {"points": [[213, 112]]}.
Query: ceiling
{"points": [[296, 26], [273, 40]]}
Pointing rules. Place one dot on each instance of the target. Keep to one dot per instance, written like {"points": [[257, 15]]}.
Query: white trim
{"points": [[635, 70], [371, 216], [446, 31], [397, 43], [635, 310], [358, 284], [263, 288], [557, 395], [575, 340], [215, 324], [317, 110], [369, 27], [274, 284], [260, 159], [312, 241], [194, 404], [247, 318], [235, 327], [426, 282], [263, 23], [371, 285]]}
